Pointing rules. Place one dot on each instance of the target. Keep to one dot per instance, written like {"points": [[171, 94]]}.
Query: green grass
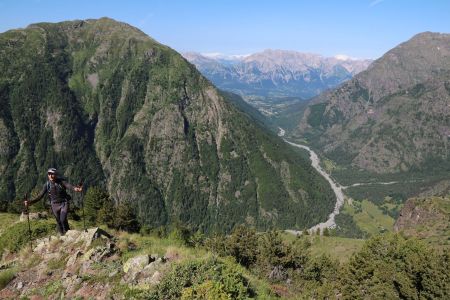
{"points": [[336, 247], [6, 220], [18, 235], [180, 255], [369, 217], [154, 245], [339, 248]]}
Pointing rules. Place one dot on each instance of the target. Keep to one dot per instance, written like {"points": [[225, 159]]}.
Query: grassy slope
{"points": [[7, 220], [339, 248], [131, 245], [369, 217], [336, 247]]}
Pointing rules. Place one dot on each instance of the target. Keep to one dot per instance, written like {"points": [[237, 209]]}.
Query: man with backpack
{"points": [[56, 187]]}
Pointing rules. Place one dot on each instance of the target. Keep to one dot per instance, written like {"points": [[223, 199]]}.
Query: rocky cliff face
{"points": [[102, 101], [426, 218], [392, 117], [277, 73]]}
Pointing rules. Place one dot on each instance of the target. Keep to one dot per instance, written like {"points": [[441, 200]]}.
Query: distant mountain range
{"points": [[277, 73]]}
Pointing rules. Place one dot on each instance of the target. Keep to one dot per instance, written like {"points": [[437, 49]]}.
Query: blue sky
{"points": [[358, 28]]}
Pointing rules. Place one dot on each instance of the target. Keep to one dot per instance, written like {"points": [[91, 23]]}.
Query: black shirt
{"points": [[56, 191]]}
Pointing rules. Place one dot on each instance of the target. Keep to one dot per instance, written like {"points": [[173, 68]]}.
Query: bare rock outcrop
{"points": [[81, 264], [425, 218]]}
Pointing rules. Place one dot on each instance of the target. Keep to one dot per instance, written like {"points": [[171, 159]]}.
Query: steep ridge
{"points": [[393, 117], [102, 101]]}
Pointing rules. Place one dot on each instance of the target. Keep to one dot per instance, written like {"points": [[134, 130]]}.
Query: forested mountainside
{"points": [[393, 117], [103, 102]]}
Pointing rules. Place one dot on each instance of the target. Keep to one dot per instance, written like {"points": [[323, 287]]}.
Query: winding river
{"points": [[315, 161]]}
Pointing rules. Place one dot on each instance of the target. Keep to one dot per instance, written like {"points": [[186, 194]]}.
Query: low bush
{"points": [[6, 276], [203, 279]]}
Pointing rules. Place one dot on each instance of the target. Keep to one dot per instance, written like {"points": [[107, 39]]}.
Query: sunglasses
{"points": [[51, 174]]}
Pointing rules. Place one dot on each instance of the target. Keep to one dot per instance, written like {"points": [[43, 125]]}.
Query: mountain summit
{"points": [[102, 101]]}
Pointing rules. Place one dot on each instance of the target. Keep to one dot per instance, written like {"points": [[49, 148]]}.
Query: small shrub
{"points": [[196, 240], [216, 244], [94, 201], [6, 276], [207, 290], [53, 288], [194, 277], [125, 218], [181, 234], [242, 244], [56, 263], [321, 269]]}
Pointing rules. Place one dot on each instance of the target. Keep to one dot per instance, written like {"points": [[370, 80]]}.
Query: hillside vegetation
{"points": [[104, 103], [242, 265]]}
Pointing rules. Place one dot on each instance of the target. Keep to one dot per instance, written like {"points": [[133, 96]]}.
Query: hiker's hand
{"points": [[78, 188]]}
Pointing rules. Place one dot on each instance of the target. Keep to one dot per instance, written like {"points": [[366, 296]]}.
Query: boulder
{"points": [[86, 237], [34, 216], [144, 270], [136, 264]]}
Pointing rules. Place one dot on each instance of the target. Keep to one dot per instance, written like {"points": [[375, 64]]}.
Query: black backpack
{"points": [[61, 189]]}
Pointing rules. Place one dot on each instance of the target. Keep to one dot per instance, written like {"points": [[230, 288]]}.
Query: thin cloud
{"points": [[375, 2]]}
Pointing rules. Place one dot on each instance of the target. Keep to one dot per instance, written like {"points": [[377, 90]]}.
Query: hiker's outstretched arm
{"points": [[38, 197], [72, 187]]}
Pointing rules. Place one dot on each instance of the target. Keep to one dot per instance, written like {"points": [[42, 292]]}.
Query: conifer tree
{"points": [[125, 218], [93, 201]]}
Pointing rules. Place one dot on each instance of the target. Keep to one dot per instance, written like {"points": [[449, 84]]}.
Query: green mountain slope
{"points": [[393, 117], [100, 100]]}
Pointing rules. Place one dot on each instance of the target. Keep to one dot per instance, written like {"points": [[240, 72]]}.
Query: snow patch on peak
{"points": [[344, 57], [219, 55]]}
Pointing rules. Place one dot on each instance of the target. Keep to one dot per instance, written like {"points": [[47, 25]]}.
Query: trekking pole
{"points": [[26, 211], [82, 206]]}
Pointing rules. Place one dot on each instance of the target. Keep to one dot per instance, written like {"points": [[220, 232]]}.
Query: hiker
{"points": [[56, 187]]}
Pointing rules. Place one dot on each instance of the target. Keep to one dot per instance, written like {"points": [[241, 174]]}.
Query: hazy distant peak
{"points": [[343, 57], [281, 72], [283, 56], [218, 55]]}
